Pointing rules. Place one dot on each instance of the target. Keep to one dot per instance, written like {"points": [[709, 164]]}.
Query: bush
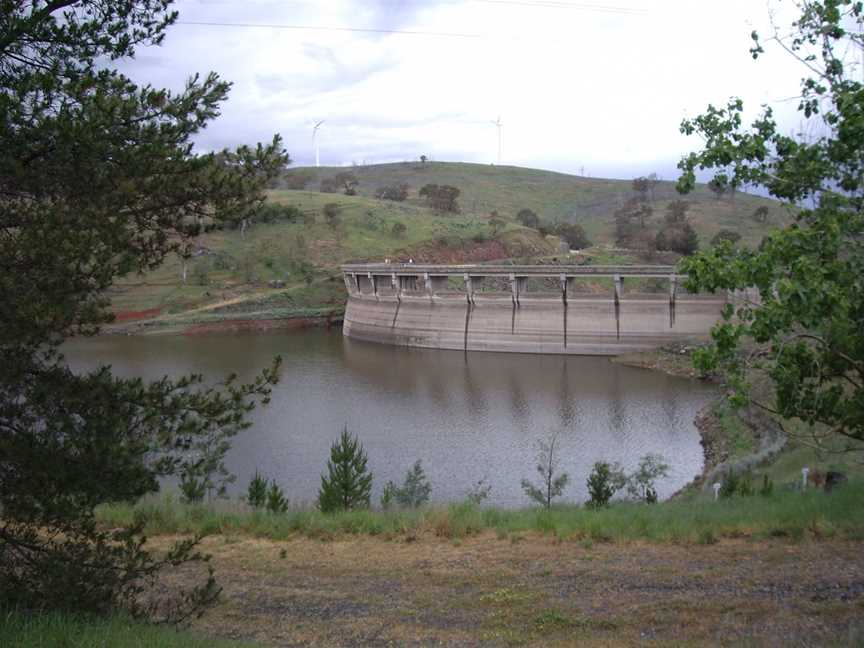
{"points": [[398, 230], [192, 488], [603, 482], [547, 465], [348, 483], [528, 218], [398, 192], [640, 485], [679, 238], [256, 492], [573, 235], [414, 492], [331, 214], [276, 500], [725, 235]]}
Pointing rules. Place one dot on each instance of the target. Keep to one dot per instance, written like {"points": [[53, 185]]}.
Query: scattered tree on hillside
{"points": [[347, 484], [99, 181], [725, 235], [641, 187], [496, 223], [676, 212], [397, 192], [398, 230], [552, 484], [347, 182], [806, 332], [717, 187], [572, 234], [630, 226], [680, 238], [331, 214], [760, 214], [441, 197], [297, 180], [528, 218], [329, 185]]}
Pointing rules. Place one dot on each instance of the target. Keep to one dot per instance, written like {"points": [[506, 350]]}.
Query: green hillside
{"points": [[289, 267], [589, 202]]}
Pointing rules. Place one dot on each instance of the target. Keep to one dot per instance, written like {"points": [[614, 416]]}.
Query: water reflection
{"points": [[465, 419]]}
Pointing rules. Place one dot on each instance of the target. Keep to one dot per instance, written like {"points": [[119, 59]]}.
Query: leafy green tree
{"points": [[348, 483], [641, 483], [552, 484], [414, 492], [604, 481], [98, 180], [806, 330]]}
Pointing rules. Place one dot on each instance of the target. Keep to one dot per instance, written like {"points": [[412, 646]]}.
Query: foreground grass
{"points": [[784, 514], [51, 630]]}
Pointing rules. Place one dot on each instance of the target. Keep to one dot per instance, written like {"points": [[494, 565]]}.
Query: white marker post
{"points": [[804, 472], [716, 488]]}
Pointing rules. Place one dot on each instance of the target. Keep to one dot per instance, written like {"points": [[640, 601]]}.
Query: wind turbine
{"points": [[315, 142], [499, 126]]}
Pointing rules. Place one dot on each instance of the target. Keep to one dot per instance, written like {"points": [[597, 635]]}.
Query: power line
{"points": [[202, 23]]}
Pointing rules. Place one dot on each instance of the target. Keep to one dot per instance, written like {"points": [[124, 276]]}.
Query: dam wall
{"points": [[524, 309]]}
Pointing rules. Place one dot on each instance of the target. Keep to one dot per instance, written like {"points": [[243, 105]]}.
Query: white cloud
{"points": [[575, 88]]}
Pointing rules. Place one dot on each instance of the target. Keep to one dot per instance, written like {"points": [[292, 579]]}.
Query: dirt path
{"points": [[535, 591]]}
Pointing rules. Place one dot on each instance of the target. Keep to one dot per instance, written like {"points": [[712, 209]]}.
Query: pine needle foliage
{"points": [[348, 483], [98, 180]]}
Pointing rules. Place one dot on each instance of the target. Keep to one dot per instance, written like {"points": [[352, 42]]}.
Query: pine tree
{"points": [[99, 180], [348, 484]]}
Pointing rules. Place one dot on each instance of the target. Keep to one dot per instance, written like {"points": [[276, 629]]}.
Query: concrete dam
{"points": [[579, 310]]}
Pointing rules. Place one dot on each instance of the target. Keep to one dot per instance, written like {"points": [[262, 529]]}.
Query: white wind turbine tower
{"points": [[500, 128], [315, 142]]}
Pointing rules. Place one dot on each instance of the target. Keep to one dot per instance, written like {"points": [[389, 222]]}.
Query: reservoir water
{"points": [[467, 418]]}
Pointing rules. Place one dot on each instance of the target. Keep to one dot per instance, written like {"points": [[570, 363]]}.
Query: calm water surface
{"points": [[467, 419]]}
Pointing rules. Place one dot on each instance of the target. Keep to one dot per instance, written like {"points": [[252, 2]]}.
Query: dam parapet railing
{"points": [[565, 309]]}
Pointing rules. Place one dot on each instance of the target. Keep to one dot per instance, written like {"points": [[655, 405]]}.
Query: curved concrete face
{"points": [[420, 308]]}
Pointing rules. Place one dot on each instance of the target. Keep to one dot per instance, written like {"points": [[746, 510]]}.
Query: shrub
{"points": [[331, 214], [528, 218], [276, 500], [398, 192], [640, 484], [603, 482], [725, 235], [415, 490], [479, 492], [398, 230], [256, 492], [547, 465], [348, 483], [767, 486], [192, 488]]}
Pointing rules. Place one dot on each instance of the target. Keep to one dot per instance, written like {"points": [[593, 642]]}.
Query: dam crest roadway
{"points": [[554, 309]]}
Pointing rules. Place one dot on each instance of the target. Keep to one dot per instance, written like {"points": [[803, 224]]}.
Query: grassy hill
{"points": [[289, 267], [590, 202]]}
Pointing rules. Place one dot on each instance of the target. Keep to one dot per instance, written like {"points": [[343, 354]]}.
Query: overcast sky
{"points": [[599, 85]]}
